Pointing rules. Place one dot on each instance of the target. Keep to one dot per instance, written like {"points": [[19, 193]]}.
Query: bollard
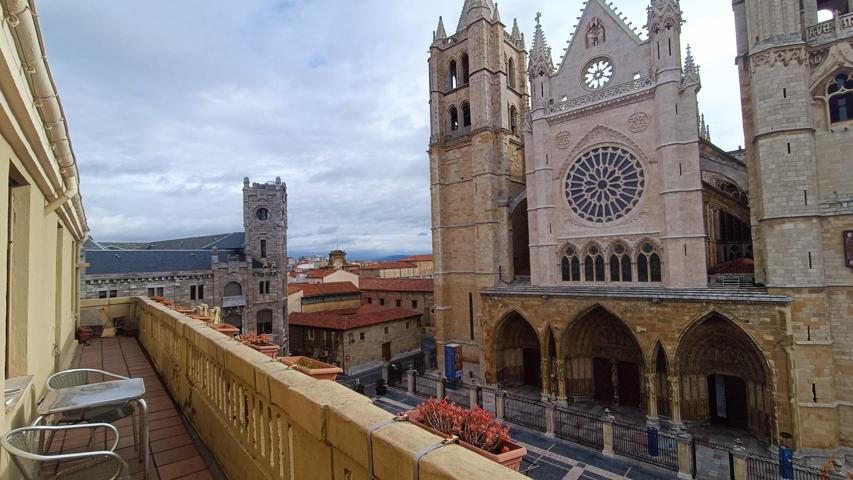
{"points": [[439, 388], [549, 420], [500, 399], [607, 433], [410, 381], [685, 459], [738, 461]]}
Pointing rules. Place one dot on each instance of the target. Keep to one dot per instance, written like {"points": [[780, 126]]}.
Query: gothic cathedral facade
{"points": [[593, 243]]}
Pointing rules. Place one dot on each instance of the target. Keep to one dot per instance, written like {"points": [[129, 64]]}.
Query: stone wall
{"points": [[423, 303], [261, 420]]}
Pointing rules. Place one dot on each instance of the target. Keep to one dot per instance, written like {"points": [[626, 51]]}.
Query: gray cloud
{"points": [[171, 104]]}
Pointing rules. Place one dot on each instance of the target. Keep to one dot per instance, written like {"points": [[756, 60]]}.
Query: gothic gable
{"points": [[600, 34]]}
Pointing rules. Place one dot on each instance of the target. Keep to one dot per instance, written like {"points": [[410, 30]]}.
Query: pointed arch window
{"points": [[649, 264], [465, 69], [454, 118], [513, 120], [620, 264], [466, 115], [510, 72], [840, 97], [453, 75], [571, 266], [593, 265]]}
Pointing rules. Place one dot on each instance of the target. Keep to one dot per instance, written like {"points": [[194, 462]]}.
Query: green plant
{"points": [[476, 426], [308, 363]]}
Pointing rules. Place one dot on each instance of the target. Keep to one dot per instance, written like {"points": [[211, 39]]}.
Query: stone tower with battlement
{"points": [[796, 76], [478, 100]]}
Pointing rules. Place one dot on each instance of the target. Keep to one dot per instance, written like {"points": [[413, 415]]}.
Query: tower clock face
{"points": [[262, 214], [605, 184], [598, 73]]}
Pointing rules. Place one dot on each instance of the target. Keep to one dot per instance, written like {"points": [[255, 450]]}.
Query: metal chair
{"points": [[23, 445], [80, 376]]}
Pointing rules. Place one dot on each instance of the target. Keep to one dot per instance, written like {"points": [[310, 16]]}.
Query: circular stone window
{"points": [[597, 73], [262, 214], [605, 184]]}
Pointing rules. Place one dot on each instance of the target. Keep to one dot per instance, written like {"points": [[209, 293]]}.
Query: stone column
{"points": [[410, 381], [674, 403], [739, 459], [439, 388], [549, 420], [652, 400], [614, 378], [546, 379], [500, 398], [685, 459], [607, 433], [561, 383]]}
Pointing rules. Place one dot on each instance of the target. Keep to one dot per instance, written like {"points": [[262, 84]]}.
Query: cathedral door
{"points": [[727, 401], [532, 367], [629, 384], [602, 379]]}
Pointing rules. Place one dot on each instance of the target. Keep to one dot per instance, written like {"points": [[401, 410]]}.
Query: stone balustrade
{"points": [[261, 419]]}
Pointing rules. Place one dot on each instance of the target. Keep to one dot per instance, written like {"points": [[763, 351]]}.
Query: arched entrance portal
{"points": [[604, 360], [517, 354], [724, 377]]}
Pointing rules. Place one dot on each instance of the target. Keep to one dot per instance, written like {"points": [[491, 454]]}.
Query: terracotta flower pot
{"points": [[270, 350], [226, 329], [511, 459], [185, 311], [203, 318], [315, 368]]}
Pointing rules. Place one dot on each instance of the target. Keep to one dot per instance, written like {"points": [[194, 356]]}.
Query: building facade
{"points": [[577, 243], [414, 294], [243, 273], [317, 297]]}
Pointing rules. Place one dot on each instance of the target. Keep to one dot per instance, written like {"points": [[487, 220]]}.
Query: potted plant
{"points": [[381, 386], [184, 310], [225, 329], [315, 368], [260, 343], [476, 429], [84, 334]]}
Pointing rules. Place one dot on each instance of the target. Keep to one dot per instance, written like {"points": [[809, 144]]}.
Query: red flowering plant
{"points": [[254, 339], [476, 426]]}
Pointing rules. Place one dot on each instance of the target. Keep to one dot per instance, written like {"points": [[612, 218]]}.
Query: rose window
{"points": [[605, 184], [598, 73]]}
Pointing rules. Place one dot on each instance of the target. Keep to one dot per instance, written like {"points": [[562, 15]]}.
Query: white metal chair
{"points": [[24, 446]]}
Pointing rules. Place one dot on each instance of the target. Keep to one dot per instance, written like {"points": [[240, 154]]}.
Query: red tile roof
{"points": [[388, 266], [350, 318], [396, 284], [310, 290], [321, 272], [737, 266], [418, 258]]}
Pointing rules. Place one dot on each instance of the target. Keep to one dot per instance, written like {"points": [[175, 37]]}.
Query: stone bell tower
{"points": [[796, 77], [478, 100]]}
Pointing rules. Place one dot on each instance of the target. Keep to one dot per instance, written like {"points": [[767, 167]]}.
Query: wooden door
{"points": [[532, 367], [386, 351], [602, 380], [629, 384]]}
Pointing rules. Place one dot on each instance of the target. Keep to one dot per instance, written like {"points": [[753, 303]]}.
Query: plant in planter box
{"points": [[315, 368], [477, 430], [260, 343]]}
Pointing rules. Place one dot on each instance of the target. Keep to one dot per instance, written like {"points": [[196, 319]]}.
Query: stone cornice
{"points": [[608, 97]]}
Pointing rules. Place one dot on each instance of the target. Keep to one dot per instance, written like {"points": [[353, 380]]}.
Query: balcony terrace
{"points": [[256, 417]]}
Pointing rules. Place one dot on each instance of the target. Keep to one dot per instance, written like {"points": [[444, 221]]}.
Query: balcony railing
{"points": [[838, 27], [261, 419]]}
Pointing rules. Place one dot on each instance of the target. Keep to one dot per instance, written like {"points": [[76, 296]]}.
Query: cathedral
{"points": [[592, 244]]}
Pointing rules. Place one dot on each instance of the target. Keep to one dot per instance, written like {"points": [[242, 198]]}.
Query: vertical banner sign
{"points": [[848, 248], [720, 390], [786, 463], [654, 438], [453, 363]]}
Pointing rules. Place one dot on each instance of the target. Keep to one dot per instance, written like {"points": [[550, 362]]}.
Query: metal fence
{"points": [[768, 468], [711, 461], [524, 411], [487, 398], [579, 428], [460, 395], [426, 385], [647, 445]]}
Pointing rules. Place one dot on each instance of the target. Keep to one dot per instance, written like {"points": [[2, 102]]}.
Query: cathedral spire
{"points": [[474, 10], [691, 70], [497, 15], [440, 33], [540, 54], [516, 32]]}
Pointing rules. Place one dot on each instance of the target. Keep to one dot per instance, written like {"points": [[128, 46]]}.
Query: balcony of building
{"points": [[219, 409]]}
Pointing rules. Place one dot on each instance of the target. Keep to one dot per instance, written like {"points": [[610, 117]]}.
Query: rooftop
{"points": [[321, 272], [718, 294], [310, 290], [388, 266], [397, 284], [137, 261], [349, 318], [418, 258]]}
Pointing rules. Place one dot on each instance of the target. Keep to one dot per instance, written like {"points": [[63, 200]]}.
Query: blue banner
{"points": [[654, 439], [786, 463]]}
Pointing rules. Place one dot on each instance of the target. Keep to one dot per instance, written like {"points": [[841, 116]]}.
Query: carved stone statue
{"points": [[595, 33]]}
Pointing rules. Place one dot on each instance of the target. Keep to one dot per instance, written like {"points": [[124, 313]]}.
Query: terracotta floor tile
{"points": [[175, 455], [172, 442], [182, 468], [203, 475]]}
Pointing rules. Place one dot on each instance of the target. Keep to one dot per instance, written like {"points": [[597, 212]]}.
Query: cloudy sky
{"points": [[172, 103]]}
